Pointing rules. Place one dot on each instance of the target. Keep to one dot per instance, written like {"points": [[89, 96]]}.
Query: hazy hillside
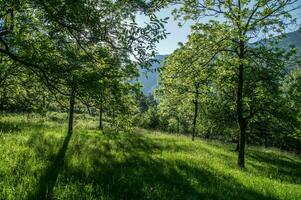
{"points": [[149, 79], [293, 38]]}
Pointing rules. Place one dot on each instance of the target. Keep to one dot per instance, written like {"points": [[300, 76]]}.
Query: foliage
{"points": [[239, 61], [79, 51]]}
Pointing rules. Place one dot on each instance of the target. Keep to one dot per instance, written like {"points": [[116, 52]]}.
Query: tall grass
{"points": [[38, 160]]}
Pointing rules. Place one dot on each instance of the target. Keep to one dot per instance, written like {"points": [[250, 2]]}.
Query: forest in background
{"points": [[263, 132]]}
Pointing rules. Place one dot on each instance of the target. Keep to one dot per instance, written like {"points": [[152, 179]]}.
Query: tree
{"points": [[247, 21], [185, 74], [291, 139], [38, 41], [20, 91]]}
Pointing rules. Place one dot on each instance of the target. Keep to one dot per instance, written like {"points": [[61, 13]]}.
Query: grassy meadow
{"points": [[39, 161]]}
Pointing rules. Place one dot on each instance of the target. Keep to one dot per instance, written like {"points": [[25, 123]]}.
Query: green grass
{"points": [[38, 160]]}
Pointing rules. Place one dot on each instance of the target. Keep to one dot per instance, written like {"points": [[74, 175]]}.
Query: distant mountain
{"points": [[293, 38], [149, 79]]}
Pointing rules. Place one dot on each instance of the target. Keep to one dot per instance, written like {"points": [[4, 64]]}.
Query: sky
{"points": [[179, 34], [176, 34]]}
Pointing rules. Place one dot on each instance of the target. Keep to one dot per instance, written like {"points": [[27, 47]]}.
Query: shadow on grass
{"points": [[130, 167], [15, 127], [48, 179], [9, 127], [276, 166]]}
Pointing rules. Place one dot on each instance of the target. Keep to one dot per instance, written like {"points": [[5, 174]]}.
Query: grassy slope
{"points": [[37, 159]]}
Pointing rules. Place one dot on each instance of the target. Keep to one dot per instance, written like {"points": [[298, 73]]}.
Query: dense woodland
{"points": [[230, 81]]}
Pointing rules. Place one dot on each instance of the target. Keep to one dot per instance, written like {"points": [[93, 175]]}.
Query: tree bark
{"points": [[196, 104], [44, 102], [241, 146], [195, 116], [71, 111], [241, 120]]}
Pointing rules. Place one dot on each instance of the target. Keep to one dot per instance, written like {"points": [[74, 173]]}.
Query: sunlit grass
{"points": [[37, 158]]}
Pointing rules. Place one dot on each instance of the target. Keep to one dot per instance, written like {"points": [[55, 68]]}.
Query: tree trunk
{"points": [[241, 121], [241, 147], [196, 105], [194, 119], [100, 115], [71, 111], [44, 102]]}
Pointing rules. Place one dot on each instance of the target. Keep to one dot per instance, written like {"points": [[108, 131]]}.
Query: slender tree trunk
{"points": [[195, 117], [89, 110], [241, 121], [71, 111], [241, 147], [239, 98], [44, 102], [100, 115], [196, 104]]}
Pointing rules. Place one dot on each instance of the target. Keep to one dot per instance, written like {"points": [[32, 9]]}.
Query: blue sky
{"points": [[176, 34], [179, 34]]}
